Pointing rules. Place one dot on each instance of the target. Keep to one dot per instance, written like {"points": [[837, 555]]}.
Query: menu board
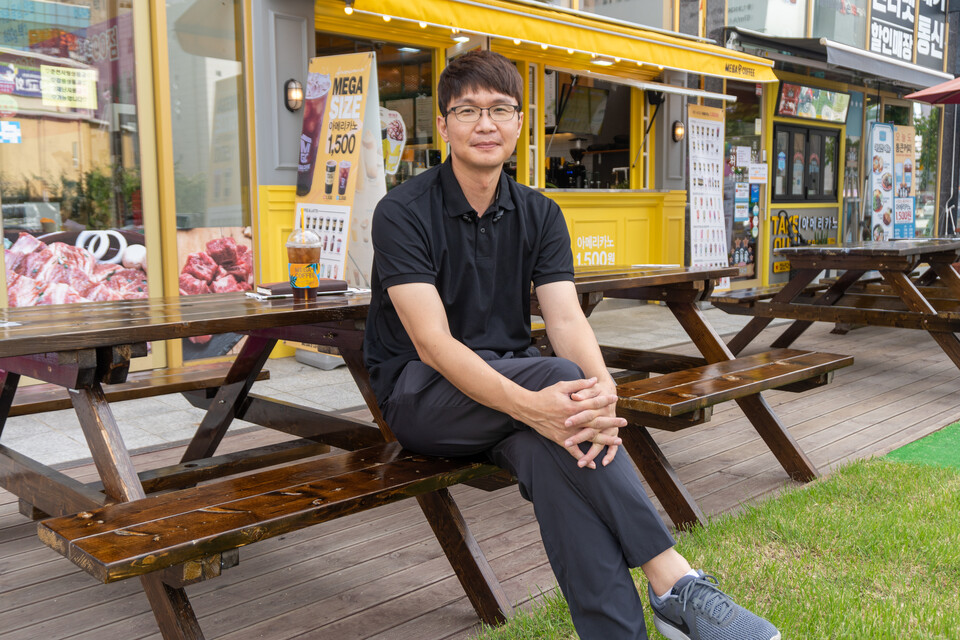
{"points": [[800, 101], [881, 180], [708, 238], [340, 175]]}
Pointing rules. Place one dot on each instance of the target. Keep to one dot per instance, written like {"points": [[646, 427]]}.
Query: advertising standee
{"points": [[340, 176]]}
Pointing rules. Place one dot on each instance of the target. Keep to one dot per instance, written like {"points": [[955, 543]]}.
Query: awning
{"points": [[561, 31], [824, 53]]}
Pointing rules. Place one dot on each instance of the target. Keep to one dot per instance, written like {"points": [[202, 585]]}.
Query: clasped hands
{"points": [[576, 411]]}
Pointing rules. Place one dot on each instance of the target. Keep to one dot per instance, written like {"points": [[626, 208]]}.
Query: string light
{"points": [[349, 10]]}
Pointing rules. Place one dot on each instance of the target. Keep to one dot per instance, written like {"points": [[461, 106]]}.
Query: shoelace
{"points": [[713, 602]]}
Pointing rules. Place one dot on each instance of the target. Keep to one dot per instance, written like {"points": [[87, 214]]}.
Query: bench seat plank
{"points": [[675, 394], [753, 294], [136, 538], [140, 384]]}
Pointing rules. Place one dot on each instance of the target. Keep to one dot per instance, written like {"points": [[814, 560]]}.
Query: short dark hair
{"points": [[475, 71]]}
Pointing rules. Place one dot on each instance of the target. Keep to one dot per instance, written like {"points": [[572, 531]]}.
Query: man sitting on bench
{"points": [[448, 350]]}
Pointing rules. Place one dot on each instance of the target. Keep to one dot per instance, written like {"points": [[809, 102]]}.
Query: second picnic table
{"points": [[929, 302]]}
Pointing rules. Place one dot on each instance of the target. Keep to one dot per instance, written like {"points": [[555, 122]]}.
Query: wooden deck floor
{"points": [[381, 574]]}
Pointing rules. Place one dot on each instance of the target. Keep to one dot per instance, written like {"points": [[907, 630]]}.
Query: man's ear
{"points": [[442, 127]]}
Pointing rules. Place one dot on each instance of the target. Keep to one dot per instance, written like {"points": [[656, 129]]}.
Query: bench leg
{"points": [[828, 297], [477, 578], [172, 609], [662, 478], [746, 335], [170, 605], [758, 412], [10, 382], [230, 396], [781, 443]]}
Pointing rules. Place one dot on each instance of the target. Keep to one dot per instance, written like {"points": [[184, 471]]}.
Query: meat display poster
{"points": [[881, 180], [340, 176], [708, 238], [213, 260]]}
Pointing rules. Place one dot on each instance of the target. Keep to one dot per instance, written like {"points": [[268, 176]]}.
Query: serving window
{"points": [[805, 164], [587, 132]]}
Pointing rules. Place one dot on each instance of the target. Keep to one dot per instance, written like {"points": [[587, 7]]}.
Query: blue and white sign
{"points": [[904, 220], [9, 132]]}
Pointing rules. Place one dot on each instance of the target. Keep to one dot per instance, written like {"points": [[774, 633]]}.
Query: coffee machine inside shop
{"points": [[565, 174]]}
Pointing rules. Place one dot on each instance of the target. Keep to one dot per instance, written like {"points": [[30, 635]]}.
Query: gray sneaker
{"points": [[696, 609]]}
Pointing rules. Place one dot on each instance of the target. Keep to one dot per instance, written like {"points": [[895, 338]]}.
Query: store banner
{"points": [[881, 180], [904, 203], [708, 238], [340, 175]]}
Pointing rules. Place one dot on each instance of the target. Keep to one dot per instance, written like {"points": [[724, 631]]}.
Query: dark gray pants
{"points": [[595, 524]]}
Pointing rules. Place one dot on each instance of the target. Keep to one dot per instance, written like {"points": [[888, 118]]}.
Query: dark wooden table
{"points": [[930, 302], [83, 351]]}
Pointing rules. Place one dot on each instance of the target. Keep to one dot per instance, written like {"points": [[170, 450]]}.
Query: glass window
{"points": [[811, 163], [782, 173], [782, 18], [829, 167], [405, 83], [841, 21], [589, 144], [798, 162], [208, 116], [926, 122], [652, 13], [70, 153]]}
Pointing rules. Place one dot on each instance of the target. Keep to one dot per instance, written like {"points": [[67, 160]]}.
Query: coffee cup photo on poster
{"points": [[394, 133], [315, 104]]}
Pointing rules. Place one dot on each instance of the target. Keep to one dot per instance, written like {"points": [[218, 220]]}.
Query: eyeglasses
{"points": [[497, 113]]}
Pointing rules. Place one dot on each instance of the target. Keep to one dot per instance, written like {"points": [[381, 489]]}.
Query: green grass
{"points": [[873, 552], [941, 448]]}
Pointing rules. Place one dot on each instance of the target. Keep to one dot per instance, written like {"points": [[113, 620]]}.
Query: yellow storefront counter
{"points": [[623, 227]]}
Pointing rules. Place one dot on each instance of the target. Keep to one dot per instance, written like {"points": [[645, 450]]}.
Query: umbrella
{"points": [[944, 93]]}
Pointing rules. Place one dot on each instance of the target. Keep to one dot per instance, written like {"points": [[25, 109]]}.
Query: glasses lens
{"points": [[467, 114], [502, 112]]}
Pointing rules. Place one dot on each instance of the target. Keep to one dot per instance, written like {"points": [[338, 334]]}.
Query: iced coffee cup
{"points": [[330, 176], [303, 254], [394, 138], [315, 103]]}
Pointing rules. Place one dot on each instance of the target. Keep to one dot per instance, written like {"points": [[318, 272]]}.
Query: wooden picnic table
{"points": [[930, 302], [167, 528]]}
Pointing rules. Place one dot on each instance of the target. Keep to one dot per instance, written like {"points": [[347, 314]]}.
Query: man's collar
{"points": [[455, 203]]}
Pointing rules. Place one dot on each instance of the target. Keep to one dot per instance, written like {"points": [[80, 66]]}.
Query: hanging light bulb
{"points": [[570, 51], [423, 25], [348, 7], [543, 46], [386, 18], [516, 41]]}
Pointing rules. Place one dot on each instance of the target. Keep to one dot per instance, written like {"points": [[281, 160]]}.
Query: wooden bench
{"points": [[152, 534], [140, 384], [754, 294], [685, 397]]}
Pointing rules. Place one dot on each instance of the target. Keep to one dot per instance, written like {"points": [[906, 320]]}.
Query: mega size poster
{"points": [[340, 175], [708, 238]]}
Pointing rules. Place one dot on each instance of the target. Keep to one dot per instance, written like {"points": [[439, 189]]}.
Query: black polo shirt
{"points": [[425, 231]]}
